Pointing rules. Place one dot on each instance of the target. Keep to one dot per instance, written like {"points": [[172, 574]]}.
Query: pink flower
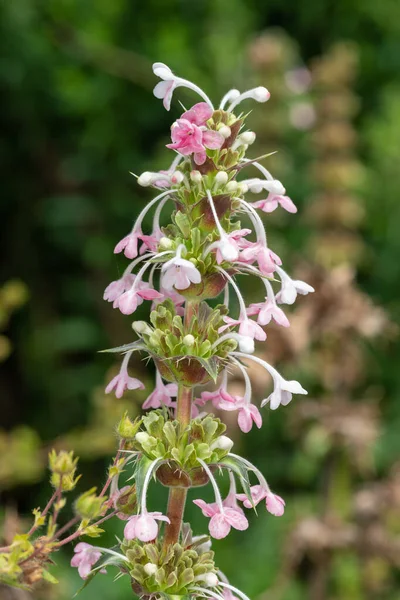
{"points": [[162, 394], [116, 288], [219, 395], [274, 504], [266, 311], [272, 201], [144, 526], [247, 327], [267, 259], [131, 299], [122, 381], [283, 391], [190, 135], [85, 557], [129, 244], [150, 242], [179, 273], [247, 413], [223, 518]]}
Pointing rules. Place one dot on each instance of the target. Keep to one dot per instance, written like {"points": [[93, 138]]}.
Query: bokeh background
{"points": [[77, 115]]}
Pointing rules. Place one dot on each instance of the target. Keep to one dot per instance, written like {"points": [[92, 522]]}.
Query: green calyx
{"points": [[182, 448], [172, 570], [184, 353]]}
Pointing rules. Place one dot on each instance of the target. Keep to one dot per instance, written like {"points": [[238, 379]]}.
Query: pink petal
{"points": [[200, 157], [245, 421], [108, 389], [199, 113], [129, 530], [146, 528], [213, 140], [256, 416], [218, 526], [275, 505], [287, 204], [206, 509], [150, 294], [236, 518]]}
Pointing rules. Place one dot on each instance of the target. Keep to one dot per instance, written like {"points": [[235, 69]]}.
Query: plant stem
{"points": [[177, 495]]}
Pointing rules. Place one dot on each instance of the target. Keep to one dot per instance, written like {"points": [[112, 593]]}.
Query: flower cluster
{"points": [[201, 254]]}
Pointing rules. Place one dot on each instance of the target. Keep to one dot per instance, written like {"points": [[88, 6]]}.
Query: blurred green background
{"points": [[77, 115]]}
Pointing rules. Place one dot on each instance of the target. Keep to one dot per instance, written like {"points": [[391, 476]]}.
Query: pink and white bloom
{"points": [[266, 311], [283, 391], [223, 514], [274, 503], [191, 136], [123, 381], [132, 298], [129, 244], [85, 557], [228, 248], [219, 395], [144, 526], [116, 288], [165, 88], [269, 204], [179, 272], [247, 327], [257, 251], [162, 394], [290, 288], [247, 413]]}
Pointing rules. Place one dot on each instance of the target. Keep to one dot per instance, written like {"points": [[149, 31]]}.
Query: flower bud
{"points": [[150, 569], [62, 462], [247, 137], [209, 579], [141, 327], [221, 178], [145, 179], [246, 344], [222, 443], [142, 437], [261, 94], [232, 186], [196, 177], [243, 189], [189, 340], [224, 130], [89, 506], [177, 178], [127, 429], [165, 244]]}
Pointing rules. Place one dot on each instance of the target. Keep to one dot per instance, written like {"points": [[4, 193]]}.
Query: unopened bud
{"points": [[246, 344], [209, 579], [224, 130], [127, 429], [150, 569], [165, 244], [142, 437], [261, 94], [189, 340], [222, 443], [62, 462], [247, 137], [177, 178], [196, 177], [141, 327], [221, 178], [145, 179], [89, 506], [232, 186]]}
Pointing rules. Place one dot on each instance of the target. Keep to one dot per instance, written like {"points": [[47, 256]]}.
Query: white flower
{"points": [[290, 288], [179, 273], [283, 391]]}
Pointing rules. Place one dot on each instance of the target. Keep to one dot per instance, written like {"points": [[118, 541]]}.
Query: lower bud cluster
{"points": [[172, 570]]}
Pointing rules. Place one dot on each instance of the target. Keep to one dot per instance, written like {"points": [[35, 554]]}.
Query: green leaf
{"points": [[210, 365], [49, 577], [138, 345], [110, 560]]}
